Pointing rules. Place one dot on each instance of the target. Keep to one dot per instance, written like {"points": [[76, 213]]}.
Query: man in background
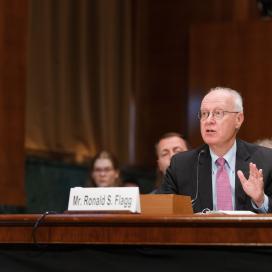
{"points": [[168, 145]]}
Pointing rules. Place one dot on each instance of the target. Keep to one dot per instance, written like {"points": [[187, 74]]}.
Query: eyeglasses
{"points": [[217, 114], [105, 170]]}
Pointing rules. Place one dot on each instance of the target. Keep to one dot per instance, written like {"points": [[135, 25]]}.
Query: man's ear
{"points": [[239, 119]]}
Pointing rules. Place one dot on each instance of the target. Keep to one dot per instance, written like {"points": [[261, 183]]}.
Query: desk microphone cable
{"points": [[37, 224]]}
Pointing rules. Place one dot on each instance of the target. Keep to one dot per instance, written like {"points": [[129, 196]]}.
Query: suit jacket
{"points": [[181, 176]]}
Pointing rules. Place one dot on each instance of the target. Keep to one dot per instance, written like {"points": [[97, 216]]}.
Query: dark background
{"points": [[180, 50]]}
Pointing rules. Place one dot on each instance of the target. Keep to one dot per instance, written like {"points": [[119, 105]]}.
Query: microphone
{"points": [[193, 201]]}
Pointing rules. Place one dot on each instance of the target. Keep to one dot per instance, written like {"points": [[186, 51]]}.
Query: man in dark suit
{"points": [[246, 172], [168, 145]]}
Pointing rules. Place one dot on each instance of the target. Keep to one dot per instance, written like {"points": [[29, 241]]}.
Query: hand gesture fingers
{"points": [[253, 186]]}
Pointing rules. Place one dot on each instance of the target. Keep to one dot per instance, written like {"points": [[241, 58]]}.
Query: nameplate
{"points": [[116, 199]]}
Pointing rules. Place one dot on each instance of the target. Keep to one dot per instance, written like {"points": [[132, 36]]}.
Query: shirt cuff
{"points": [[264, 207]]}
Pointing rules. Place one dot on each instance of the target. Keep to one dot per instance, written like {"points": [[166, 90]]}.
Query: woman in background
{"points": [[104, 170]]}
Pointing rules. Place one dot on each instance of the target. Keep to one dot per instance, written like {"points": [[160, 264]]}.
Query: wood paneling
{"points": [[13, 30], [162, 76], [236, 55], [162, 63]]}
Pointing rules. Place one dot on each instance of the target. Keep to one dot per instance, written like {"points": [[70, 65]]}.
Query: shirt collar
{"points": [[229, 156]]}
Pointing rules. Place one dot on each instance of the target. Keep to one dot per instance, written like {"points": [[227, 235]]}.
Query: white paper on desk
{"points": [[227, 212], [237, 212]]}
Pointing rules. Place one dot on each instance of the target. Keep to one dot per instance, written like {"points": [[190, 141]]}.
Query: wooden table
{"points": [[137, 229]]}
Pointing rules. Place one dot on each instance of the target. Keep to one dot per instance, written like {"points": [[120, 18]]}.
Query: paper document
{"points": [[207, 211], [237, 212]]}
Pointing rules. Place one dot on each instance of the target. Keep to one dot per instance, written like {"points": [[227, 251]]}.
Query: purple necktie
{"points": [[223, 189]]}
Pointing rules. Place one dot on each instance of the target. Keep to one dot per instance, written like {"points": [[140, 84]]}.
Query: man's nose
{"points": [[210, 117]]}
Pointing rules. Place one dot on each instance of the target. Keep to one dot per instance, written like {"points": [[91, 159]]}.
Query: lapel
{"points": [[242, 163], [205, 181]]}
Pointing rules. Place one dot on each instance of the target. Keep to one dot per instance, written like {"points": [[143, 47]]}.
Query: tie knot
{"points": [[220, 161]]}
